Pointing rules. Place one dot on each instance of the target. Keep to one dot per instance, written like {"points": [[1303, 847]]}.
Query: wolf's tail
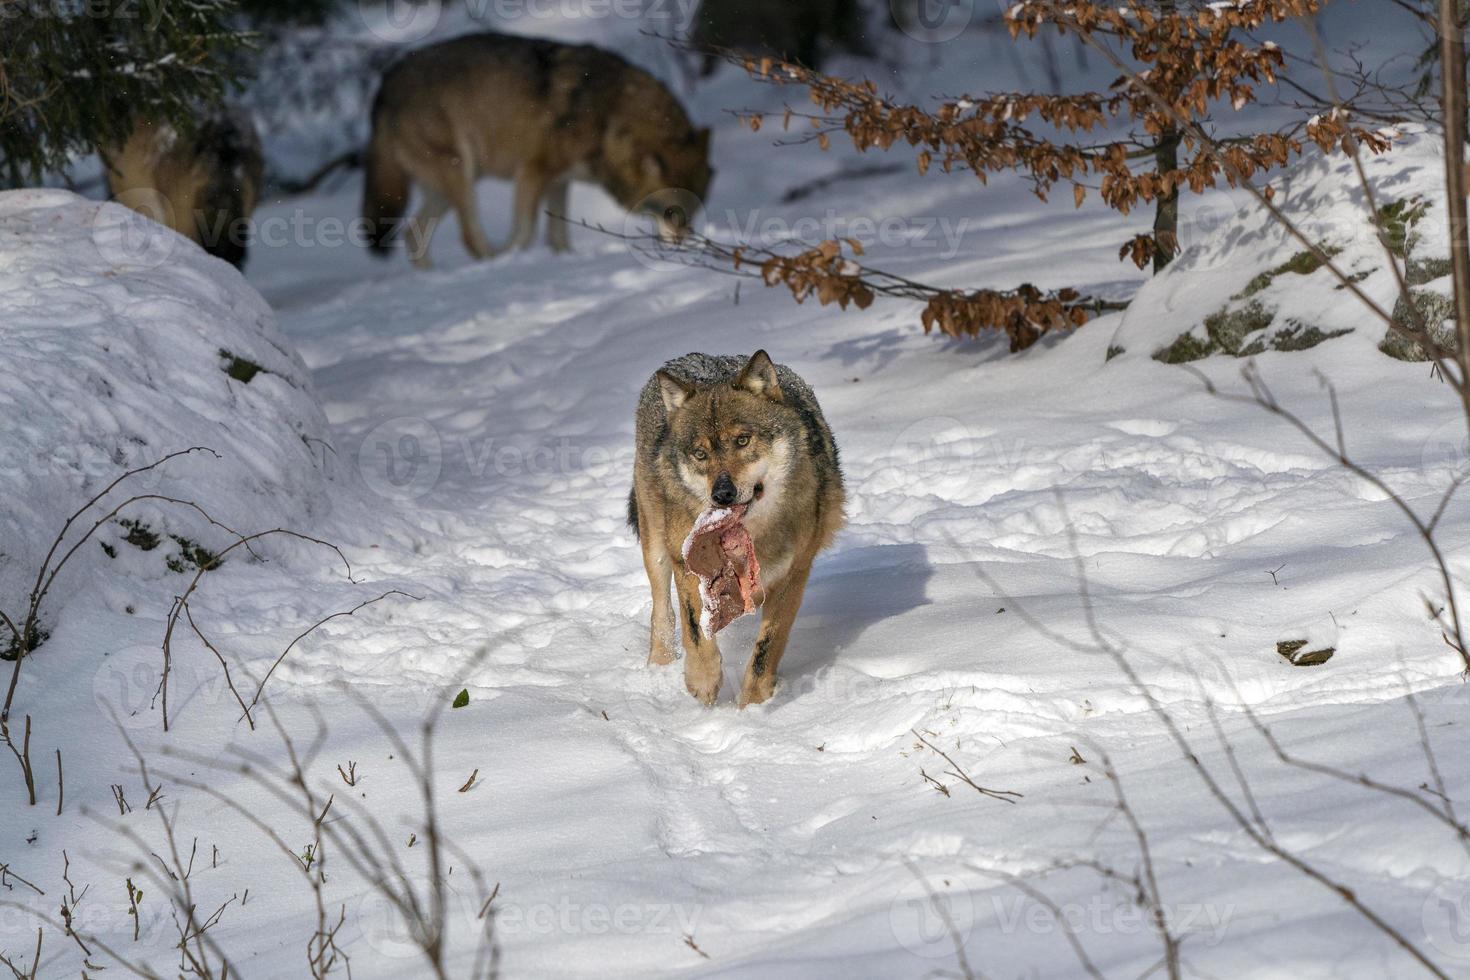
{"points": [[385, 190], [633, 512]]}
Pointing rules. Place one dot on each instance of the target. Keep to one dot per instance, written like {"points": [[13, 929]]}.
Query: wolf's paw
{"points": [[755, 692], [704, 685]]}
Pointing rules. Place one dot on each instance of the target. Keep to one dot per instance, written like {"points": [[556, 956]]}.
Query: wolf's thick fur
{"points": [[534, 111], [203, 185], [757, 425]]}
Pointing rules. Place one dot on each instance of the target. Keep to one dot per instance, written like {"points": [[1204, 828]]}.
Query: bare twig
{"points": [[260, 688], [958, 772]]}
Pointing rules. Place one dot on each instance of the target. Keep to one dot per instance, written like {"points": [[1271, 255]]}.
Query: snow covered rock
{"points": [[123, 342], [1250, 286]]}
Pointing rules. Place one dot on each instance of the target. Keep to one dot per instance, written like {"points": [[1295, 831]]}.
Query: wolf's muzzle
{"points": [[723, 493]]}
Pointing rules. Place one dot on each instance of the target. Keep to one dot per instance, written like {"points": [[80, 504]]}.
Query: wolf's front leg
{"points": [[661, 626], [778, 612], [701, 653]]}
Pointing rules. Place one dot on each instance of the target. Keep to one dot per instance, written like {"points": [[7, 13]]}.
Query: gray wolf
{"points": [[717, 431], [534, 111], [204, 184]]}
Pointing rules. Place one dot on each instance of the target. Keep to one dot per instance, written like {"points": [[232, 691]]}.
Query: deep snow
{"points": [[479, 420]]}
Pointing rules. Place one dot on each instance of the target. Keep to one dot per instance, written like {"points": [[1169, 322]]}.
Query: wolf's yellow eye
{"points": [[742, 441], [700, 454]]}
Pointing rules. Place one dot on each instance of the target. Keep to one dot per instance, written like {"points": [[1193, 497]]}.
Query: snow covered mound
{"points": [[123, 342], [1251, 287]]}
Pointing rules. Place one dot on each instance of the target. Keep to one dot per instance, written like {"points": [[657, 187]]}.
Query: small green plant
{"points": [[135, 898], [1303, 263], [239, 368], [34, 638], [1245, 332], [461, 699], [1396, 223], [192, 554], [139, 535]]}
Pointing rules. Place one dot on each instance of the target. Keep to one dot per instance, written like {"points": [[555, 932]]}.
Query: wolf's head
{"points": [[658, 169], [732, 442]]}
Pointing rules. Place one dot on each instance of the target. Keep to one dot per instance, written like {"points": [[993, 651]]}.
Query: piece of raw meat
{"points": [[720, 551]]}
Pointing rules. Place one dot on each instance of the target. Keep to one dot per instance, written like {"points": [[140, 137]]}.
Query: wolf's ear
{"points": [[674, 391], [759, 377]]}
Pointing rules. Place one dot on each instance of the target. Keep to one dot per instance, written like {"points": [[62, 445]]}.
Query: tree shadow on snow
{"points": [[877, 351]]}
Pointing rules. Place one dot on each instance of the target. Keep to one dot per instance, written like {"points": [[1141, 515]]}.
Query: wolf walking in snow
{"points": [[534, 111], [742, 433], [203, 185]]}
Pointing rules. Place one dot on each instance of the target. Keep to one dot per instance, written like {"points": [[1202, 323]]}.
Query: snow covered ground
{"points": [[475, 428]]}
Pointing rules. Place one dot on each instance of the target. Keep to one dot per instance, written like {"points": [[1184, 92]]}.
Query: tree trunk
{"points": [[1166, 213], [1453, 104]]}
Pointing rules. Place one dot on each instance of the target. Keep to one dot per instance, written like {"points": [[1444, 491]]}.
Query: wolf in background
{"points": [[534, 111], [204, 184], [718, 431]]}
